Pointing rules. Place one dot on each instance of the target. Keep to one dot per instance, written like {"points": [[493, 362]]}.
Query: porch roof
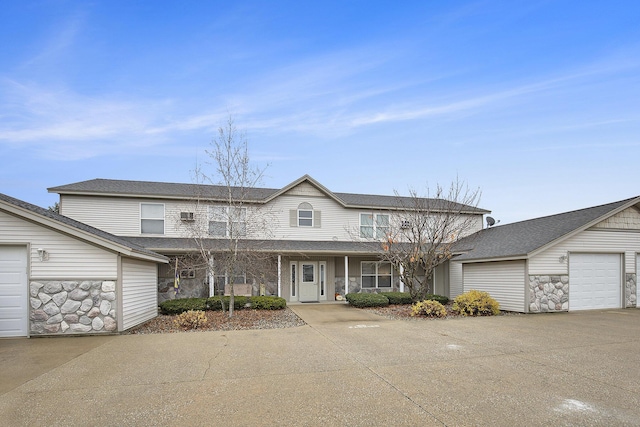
{"points": [[167, 245]]}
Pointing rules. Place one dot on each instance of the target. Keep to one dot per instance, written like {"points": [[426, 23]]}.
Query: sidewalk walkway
{"points": [[331, 313]]}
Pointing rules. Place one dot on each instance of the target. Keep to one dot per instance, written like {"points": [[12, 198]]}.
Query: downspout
{"points": [[401, 276]]}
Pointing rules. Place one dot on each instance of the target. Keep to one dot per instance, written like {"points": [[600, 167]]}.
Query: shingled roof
{"points": [[124, 188], [519, 239], [83, 228]]}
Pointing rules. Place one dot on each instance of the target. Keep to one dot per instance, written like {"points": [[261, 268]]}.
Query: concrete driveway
{"points": [[346, 367]]}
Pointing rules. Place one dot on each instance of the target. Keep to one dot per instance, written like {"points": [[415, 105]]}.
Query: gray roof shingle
{"points": [[522, 238], [77, 225], [216, 192]]}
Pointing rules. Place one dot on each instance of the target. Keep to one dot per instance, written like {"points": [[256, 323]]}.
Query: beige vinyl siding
{"points": [[121, 216], [601, 241], [139, 292], [116, 215], [628, 219], [503, 280], [305, 189], [440, 280], [69, 257], [334, 223], [455, 279]]}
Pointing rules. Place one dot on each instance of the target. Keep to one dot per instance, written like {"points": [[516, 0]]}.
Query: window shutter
{"points": [[317, 219], [293, 218]]}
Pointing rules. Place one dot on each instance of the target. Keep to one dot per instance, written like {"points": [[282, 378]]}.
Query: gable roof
{"points": [[166, 190], [525, 238], [75, 228]]}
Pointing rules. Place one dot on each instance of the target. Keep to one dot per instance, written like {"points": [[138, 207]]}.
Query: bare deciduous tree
{"points": [[418, 235], [231, 216]]}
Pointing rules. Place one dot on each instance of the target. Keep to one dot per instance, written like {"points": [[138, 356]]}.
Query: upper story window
{"points": [[151, 218], [374, 225], [305, 215], [225, 221]]}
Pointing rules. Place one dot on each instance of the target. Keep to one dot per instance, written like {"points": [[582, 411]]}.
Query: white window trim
{"points": [[163, 217], [226, 219], [377, 274], [374, 225], [312, 218]]}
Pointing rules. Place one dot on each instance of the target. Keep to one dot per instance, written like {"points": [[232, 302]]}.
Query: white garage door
{"points": [[594, 281], [637, 280], [13, 291]]}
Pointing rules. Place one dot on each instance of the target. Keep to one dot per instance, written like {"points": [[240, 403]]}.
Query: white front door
{"points": [[309, 288], [13, 291]]}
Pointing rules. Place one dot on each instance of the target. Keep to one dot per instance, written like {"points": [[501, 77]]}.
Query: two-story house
{"points": [[313, 242]]}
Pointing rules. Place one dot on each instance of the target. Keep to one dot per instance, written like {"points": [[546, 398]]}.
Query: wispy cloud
{"points": [[333, 93], [59, 41]]}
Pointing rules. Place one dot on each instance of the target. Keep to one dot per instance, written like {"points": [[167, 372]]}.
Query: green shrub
{"points": [[428, 308], [476, 303], [268, 303], [214, 303], [177, 306], [398, 297], [440, 298], [367, 300], [192, 319]]}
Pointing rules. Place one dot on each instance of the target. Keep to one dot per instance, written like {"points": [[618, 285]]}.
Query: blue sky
{"points": [[537, 103]]}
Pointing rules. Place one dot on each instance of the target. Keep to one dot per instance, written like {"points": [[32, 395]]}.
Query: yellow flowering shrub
{"points": [[192, 319], [476, 303], [428, 308]]}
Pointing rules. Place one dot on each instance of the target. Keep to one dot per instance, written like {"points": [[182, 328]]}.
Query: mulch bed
{"points": [[403, 312], [219, 321], [272, 319]]}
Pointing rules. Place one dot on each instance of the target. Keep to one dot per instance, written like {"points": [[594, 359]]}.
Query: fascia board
{"points": [[311, 181], [584, 227], [147, 196], [508, 258]]}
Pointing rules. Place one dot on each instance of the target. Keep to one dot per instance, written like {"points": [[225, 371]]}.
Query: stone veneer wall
{"points": [[631, 290], [548, 293], [72, 307], [355, 286], [189, 288], [197, 288], [551, 293]]}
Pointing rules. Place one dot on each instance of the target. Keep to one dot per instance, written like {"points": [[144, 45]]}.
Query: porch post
{"points": [[346, 275], [212, 277], [401, 281], [279, 275]]}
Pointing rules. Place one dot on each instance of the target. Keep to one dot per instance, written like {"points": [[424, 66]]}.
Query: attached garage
{"points": [[580, 260], [595, 281], [61, 277], [504, 281]]}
